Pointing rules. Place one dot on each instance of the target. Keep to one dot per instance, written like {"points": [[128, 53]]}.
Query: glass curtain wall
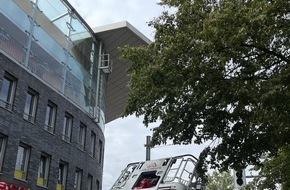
{"points": [[52, 42]]}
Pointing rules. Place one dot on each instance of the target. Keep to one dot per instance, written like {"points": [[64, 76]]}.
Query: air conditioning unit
{"points": [[106, 63]]}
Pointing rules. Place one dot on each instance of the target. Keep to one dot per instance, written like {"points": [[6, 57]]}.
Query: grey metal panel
{"points": [[115, 36]]}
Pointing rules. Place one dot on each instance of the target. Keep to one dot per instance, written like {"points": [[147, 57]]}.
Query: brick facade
{"points": [[19, 130]]}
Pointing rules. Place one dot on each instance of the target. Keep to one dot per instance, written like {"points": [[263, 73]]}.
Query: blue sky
{"points": [[125, 138]]}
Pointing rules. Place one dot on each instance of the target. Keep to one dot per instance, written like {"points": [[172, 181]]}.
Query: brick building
{"points": [[57, 92]]}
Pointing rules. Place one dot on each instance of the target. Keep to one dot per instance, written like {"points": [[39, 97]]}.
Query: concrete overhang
{"points": [[114, 36]]}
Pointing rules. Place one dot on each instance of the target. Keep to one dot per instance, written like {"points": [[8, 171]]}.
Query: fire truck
{"points": [[173, 173]]}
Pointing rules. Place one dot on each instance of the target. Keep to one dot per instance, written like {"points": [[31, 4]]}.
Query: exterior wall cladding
{"points": [[32, 156], [19, 130]]}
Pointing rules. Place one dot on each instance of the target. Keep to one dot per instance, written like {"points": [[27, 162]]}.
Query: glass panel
{"points": [[93, 144], [48, 115], [82, 135], [42, 164], [53, 75], [90, 182], [52, 8], [43, 170], [97, 185], [53, 46], [78, 178], [101, 151], [60, 173], [59, 39], [146, 180], [28, 104], [13, 12], [6, 90], [20, 162], [74, 89], [79, 32], [11, 46], [3, 140], [67, 128], [1, 143]]}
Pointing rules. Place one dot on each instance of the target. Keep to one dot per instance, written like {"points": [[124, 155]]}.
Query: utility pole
{"points": [[147, 145]]}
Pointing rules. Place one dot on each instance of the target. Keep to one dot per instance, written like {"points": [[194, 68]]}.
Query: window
{"points": [[3, 141], [78, 179], [50, 117], [21, 166], [62, 173], [146, 180], [101, 151], [90, 182], [30, 105], [43, 169], [82, 136], [93, 144], [7, 91], [67, 127], [97, 185]]}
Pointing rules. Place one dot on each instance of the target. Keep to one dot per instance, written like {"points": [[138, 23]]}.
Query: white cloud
{"points": [[136, 12]]}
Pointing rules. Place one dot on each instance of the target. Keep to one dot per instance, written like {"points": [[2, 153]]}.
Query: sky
{"points": [[126, 137], [103, 12]]}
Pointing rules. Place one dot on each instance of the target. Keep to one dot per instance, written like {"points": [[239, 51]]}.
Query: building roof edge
{"points": [[119, 25]]}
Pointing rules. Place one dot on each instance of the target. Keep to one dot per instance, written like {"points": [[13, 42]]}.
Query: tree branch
{"points": [[266, 51]]}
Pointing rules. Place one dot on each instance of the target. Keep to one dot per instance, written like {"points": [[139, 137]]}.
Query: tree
{"points": [[220, 181], [274, 173], [216, 71], [224, 181]]}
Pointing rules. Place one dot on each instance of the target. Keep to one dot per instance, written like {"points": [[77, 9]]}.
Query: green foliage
{"points": [[217, 72], [274, 172], [220, 181]]}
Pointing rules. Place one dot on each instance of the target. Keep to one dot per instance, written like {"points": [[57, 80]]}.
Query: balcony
{"points": [[52, 42]]}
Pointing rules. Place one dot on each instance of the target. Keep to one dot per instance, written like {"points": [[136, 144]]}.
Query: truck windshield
{"points": [[146, 180]]}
